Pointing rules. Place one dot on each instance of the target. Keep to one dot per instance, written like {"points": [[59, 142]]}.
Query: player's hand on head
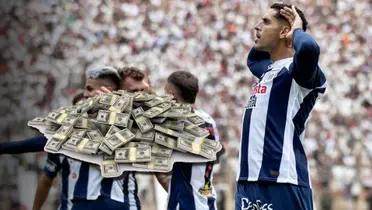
{"points": [[102, 90], [293, 18]]}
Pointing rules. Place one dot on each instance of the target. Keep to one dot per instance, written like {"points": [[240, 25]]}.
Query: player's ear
{"points": [[283, 33]]}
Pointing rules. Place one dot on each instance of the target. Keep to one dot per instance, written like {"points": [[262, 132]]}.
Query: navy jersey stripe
{"points": [[275, 125], [106, 185], [211, 202], [138, 203], [65, 175], [299, 121], [244, 145], [81, 186], [125, 187]]}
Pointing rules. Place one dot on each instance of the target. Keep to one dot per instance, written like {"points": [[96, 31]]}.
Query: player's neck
{"points": [[281, 52]]}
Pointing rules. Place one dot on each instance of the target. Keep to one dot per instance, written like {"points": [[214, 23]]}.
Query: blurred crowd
{"points": [[46, 45]]}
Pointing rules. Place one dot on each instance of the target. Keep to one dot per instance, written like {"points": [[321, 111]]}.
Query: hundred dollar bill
{"points": [[119, 138], [162, 151], [158, 120], [109, 169], [51, 127], [95, 135], [113, 129], [83, 122], [130, 124], [104, 148], [89, 147], [157, 163], [196, 147], [167, 131], [154, 102], [72, 143], [148, 136], [142, 122], [120, 105], [196, 120], [78, 132], [108, 99], [113, 118], [197, 131], [137, 112], [157, 110], [133, 154], [38, 121], [177, 125], [129, 107], [166, 141], [63, 132], [142, 96], [174, 113], [53, 145]]}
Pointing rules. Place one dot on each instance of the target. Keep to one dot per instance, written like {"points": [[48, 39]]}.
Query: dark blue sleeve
{"points": [[305, 69], [35, 144], [258, 62], [53, 165]]}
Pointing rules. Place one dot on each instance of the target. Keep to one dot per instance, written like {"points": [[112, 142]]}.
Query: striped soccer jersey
{"points": [[276, 114], [83, 181], [191, 184]]}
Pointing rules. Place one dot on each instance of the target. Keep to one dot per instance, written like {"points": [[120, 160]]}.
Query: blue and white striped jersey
{"points": [[191, 184], [276, 114], [83, 181]]}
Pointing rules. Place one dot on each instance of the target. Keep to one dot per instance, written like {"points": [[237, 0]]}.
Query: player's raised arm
{"points": [[305, 69]]}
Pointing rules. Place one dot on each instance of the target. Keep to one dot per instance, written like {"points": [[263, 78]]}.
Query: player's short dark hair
{"points": [[279, 6], [104, 73], [111, 78], [186, 84], [132, 72]]}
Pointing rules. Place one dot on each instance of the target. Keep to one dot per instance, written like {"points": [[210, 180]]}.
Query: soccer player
{"points": [[191, 183], [83, 187], [273, 170]]}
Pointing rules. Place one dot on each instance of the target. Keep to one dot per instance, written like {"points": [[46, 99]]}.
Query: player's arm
{"points": [[52, 166], [42, 190], [258, 62], [163, 179], [305, 69], [35, 144]]}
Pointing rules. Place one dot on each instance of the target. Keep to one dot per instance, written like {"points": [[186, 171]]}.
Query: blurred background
{"points": [[46, 45]]}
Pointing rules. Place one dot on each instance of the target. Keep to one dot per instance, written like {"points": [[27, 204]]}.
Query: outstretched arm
{"points": [[35, 144], [258, 62]]}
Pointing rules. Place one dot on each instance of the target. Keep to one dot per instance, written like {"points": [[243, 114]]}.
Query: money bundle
{"points": [[138, 129]]}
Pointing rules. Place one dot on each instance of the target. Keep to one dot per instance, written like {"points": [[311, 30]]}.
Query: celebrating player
{"points": [[273, 167]]}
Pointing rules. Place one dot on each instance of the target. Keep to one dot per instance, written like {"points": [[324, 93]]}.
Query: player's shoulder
{"points": [[206, 117]]}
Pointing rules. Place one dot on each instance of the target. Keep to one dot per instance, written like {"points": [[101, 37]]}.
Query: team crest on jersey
{"points": [[206, 190]]}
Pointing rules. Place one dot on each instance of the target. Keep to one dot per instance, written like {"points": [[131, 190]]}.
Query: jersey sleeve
{"points": [[35, 144], [53, 165], [258, 62], [305, 69]]}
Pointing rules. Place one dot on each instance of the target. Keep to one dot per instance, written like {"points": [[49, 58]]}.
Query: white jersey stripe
{"points": [[94, 182], [287, 170], [257, 135]]}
